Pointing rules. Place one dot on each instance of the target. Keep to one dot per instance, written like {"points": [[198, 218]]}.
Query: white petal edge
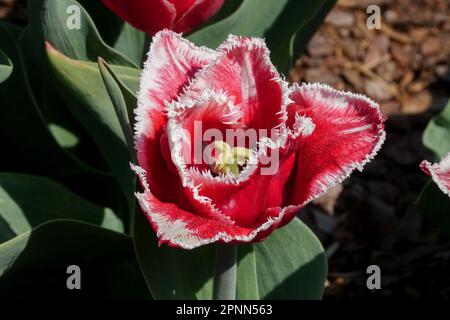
{"points": [[434, 167]]}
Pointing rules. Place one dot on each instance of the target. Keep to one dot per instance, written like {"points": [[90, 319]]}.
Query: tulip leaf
{"points": [[437, 134], [69, 28], [435, 205], [89, 101], [123, 100], [293, 29], [34, 264], [28, 201], [287, 26], [6, 67], [20, 114], [289, 264], [252, 18], [172, 273], [247, 277]]}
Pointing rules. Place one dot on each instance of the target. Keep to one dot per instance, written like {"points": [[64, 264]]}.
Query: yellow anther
{"points": [[226, 159]]}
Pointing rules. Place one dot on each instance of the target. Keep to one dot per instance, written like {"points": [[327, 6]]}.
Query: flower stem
{"points": [[225, 273]]}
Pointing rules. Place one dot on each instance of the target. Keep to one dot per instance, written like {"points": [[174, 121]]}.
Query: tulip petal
{"points": [[144, 16], [439, 172], [190, 17], [183, 229], [349, 131], [244, 71], [172, 61]]}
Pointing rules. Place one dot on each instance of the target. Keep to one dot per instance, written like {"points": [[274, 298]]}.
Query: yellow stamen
{"points": [[228, 160]]}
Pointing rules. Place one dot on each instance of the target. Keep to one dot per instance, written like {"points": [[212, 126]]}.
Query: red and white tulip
{"points": [[319, 135]]}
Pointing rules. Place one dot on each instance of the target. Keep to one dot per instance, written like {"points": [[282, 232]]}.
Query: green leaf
{"points": [[172, 273], [123, 100], [293, 29], [247, 277], [28, 201], [34, 263], [65, 138], [56, 22], [89, 101], [287, 26], [51, 21], [435, 205], [252, 18], [437, 134], [20, 114], [6, 67], [289, 264]]}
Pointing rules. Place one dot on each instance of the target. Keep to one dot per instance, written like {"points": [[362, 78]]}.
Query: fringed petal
{"points": [[348, 133], [439, 172]]}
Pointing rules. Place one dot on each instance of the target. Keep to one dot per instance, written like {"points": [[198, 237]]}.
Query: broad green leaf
{"points": [[67, 26], [55, 22], [293, 29], [65, 138], [172, 273], [85, 93], [62, 32], [252, 18], [34, 263], [20, 114], [123, 100], [6, 67], [435, 205], [290, 264], [28, 201], [287, 26], [247, 277], [132, 43], [437, 134]]}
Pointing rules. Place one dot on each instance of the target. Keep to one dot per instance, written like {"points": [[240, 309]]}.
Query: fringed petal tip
{"points": [[182, 229], [171, 63], [349, 132], [439, 172]]}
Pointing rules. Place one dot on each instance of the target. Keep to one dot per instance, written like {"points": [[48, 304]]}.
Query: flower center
{"points": [[224, 160]]}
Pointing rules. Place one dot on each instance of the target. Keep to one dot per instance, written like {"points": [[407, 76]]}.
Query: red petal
{"points": [[439, 172], [145, 15], [181, 228], [190, 17], [152, 16], [245, 73], [171, 62], [182, 6], [348, 133]]}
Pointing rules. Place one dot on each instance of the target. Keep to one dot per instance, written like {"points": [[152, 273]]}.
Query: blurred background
{"points": [[371, 218]]}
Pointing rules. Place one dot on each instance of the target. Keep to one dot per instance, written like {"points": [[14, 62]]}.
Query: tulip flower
{"points": [[151, 16], [200, 187], [439, 172]]}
